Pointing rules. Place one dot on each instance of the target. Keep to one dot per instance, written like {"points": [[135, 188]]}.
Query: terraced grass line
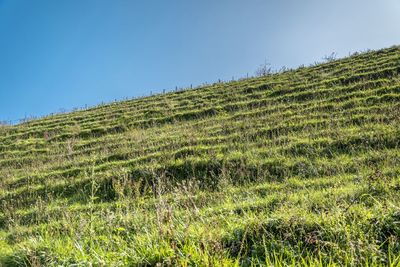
{"points": [[384, 65], [300, 167]]}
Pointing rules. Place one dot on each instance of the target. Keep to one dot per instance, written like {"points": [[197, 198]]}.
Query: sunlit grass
{"points": [[297, 168]]}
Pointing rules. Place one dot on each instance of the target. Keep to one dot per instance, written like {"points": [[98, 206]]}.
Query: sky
{"points": [[64, 54]]}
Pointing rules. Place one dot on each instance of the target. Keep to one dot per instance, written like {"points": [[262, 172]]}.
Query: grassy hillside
{"points": [[300, 167]]}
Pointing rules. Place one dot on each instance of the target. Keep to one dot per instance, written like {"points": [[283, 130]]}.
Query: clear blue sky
{"points": [[60, 54]]}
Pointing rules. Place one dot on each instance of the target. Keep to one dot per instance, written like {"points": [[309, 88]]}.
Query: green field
{"points": [[300, 167]]}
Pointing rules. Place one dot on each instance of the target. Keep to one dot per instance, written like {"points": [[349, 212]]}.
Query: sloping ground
{"points": [[300, 167]]}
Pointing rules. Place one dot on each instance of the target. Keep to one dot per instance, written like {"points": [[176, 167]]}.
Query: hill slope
{"points": [[300, 166]]}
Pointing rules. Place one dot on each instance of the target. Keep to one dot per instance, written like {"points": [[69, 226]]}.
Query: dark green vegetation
{"points": [[296, 168]]}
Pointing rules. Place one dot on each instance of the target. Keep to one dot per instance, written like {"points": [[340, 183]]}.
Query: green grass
{"points": [[297, 168]]}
